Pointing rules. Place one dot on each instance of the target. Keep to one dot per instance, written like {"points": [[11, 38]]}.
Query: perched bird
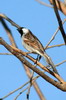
{"points": [[32, 44]]}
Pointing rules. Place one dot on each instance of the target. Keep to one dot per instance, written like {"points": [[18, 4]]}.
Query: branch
{"points": [[9, 20], [61, 86], [61, 7], [39, 64], [64, 61], [16, 52], [8, 31]]}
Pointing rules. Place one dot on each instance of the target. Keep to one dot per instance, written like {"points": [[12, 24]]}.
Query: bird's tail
{"points": [[50, 62]]}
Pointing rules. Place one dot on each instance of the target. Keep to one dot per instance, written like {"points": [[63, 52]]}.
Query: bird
{"points": [[33, 44]]}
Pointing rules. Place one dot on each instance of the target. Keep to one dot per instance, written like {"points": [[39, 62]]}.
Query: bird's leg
{"points": [[38, 58]]}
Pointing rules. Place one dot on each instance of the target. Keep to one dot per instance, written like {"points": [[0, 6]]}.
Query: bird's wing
{"points": [[33, 41]]}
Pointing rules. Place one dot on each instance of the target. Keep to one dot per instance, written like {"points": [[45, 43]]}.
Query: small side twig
{"points": [[58, 45], [60, 63], [45, 4]]}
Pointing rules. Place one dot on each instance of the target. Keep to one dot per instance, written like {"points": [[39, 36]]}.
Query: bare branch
{"points": [[9, 20], [39, 64], [59, 20], [61, 85], [43, 3], [8, 31]]}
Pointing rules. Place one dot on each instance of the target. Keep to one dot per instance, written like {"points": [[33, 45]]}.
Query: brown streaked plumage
{"points": [[33, 41]]}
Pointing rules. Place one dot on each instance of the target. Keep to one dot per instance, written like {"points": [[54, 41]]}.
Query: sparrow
{"points": [[32, 44]]}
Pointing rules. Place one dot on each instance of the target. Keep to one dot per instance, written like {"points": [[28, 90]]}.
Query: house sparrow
{"points": [[32, 44]]}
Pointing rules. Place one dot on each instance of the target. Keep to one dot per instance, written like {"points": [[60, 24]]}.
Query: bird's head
{"points": [[23, 30]]}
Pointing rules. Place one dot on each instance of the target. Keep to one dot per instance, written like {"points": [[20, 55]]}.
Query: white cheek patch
{"points": [[25, 30]]}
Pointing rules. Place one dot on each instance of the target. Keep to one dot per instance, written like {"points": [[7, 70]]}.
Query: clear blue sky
{"points": [[42, 22]]}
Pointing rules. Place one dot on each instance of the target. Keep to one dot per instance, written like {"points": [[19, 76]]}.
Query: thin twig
{"points": [[6, 54], [20, 93], [19, 87], [61, 63], [58, 45], [30, 85], [64, 61], [28, 93], [45, 4], [52, 38], [38, 90]]}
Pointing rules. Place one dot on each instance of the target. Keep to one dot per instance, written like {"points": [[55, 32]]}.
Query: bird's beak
{"points": [[20, 30]]}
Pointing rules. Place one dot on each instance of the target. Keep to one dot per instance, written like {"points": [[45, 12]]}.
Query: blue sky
{"points": [[42, 22]]}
